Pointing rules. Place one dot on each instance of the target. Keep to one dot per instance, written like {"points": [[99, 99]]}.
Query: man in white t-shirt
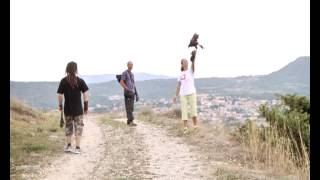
{"points": [[187, 92]]}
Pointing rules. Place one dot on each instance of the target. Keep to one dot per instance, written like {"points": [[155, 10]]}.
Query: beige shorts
{"points": [[74, 124], [185, 102]]}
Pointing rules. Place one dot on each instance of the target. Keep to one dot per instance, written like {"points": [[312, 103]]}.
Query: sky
{"points": [[247, 37]]}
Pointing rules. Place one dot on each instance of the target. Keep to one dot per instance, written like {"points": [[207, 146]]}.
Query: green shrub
{"points": [[292, 119]]}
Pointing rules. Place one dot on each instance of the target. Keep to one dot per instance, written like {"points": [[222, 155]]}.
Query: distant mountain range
{"points": [[91, 79], [293, 78]]}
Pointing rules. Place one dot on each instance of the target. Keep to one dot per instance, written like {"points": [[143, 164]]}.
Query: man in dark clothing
{"points": [[130, 92], [70, 88]]}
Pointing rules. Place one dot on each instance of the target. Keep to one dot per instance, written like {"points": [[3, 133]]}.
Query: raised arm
{"points": [[192, 66], [192, 59]]}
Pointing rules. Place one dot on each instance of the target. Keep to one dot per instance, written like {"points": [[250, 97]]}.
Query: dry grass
{"points": [[24, 112], [175, 113], [34, 137], [224, 157], [269, 151], [271, 158], [146, 111]]}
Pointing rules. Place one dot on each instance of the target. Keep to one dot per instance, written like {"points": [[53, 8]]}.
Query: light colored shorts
{"points": [[185, 102]]}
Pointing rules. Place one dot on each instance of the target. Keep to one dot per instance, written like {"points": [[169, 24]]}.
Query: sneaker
{"points": [[67, 148], [77, 151], [132, 124], [185, 130]]}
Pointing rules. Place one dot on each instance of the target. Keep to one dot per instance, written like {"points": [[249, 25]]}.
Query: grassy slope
{"points": [[35, 136]]}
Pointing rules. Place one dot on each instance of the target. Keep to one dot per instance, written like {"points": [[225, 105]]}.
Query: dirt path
{"points": [[113, 150], [142, 152], [168, 157], [79, 166]]}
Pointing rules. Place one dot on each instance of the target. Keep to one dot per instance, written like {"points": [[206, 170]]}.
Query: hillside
{"points": [[297, 71], [293, 78]]}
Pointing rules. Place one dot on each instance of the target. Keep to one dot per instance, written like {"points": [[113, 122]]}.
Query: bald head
{"points": [[129, 65]]}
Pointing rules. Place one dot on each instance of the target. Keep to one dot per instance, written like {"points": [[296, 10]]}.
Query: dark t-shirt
{"points": [[72, 103]]}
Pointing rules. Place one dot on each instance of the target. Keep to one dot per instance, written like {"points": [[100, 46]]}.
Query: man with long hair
{"points": [[70, 89]]}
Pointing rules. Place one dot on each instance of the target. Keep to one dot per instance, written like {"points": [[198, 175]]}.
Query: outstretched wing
{"points": [[194, 40]]}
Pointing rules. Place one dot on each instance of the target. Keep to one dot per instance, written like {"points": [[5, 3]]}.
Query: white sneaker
{"points": [[77, 151], [67, 148]]}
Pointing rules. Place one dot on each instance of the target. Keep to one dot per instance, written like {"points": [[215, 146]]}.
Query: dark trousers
{"points": [[129, 103]]}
